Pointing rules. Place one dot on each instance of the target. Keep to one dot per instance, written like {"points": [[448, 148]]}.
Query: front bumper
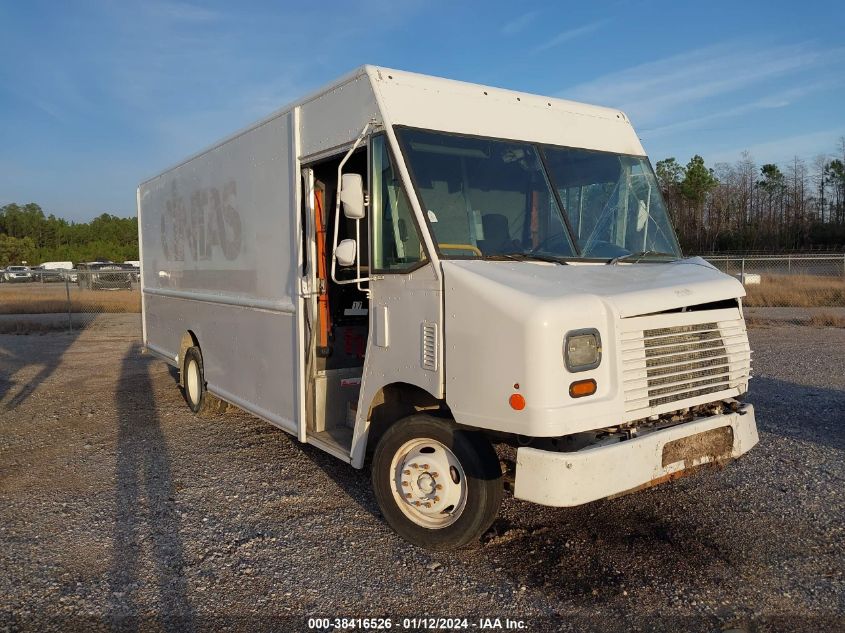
{"points": [[569, 479]]}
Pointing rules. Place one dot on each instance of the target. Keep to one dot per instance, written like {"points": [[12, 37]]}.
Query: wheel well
{"points": [[189, 339], [395, 401]]}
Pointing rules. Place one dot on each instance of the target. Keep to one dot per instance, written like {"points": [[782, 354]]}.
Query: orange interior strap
{"points": [[323, 298]]}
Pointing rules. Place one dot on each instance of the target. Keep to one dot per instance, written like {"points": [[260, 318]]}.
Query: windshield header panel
{"points": [[488, 198]]}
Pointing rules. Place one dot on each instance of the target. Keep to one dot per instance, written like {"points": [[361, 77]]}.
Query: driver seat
{"points": [[497, 237]]}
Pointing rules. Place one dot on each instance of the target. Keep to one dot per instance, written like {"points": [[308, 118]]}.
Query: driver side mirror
{"points": [[352, 197], [345, 253]]}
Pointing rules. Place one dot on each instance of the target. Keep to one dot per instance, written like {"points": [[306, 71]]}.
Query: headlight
{"points": [[582, 350]]}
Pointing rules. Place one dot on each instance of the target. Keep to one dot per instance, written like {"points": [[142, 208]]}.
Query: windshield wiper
{"points": [[521, 257], [639, 255]]}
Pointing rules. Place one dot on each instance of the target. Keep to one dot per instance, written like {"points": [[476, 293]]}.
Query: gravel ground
{"points": [[121, 510]]}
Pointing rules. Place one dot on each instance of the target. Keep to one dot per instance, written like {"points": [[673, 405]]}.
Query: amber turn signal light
{"points": [[581, 388], [517, 401]]}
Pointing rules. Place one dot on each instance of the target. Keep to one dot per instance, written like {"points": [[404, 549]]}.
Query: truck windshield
{"points": [[485, 197], [488, 197], [614, 205]]}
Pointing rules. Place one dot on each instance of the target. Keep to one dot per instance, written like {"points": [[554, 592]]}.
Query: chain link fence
{"points": [[70, 300], [797, 286], [788, 281], [813, 265]]}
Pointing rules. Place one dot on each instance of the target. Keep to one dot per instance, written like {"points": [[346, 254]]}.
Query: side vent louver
{"points": [[429, 346]]}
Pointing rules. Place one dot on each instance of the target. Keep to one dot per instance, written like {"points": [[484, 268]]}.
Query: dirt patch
{"points": [[715, 444]]}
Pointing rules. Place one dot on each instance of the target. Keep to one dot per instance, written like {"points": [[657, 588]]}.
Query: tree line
{"points": [[728, 207], [27, 235], [742, 207]]}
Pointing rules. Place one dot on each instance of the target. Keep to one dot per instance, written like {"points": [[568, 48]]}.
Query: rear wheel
{"points": [[193, 381], [439, 486]]}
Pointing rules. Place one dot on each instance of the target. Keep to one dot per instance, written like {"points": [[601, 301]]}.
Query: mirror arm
{"points": [[358, 279]]}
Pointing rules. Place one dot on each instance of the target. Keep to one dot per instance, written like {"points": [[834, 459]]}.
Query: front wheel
{"points": [[438, 485]]}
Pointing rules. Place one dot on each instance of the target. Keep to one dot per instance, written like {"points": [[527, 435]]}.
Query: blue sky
{"points": [[96, 95]]}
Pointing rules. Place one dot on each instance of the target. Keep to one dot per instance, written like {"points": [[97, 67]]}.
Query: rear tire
{"points": [[439, 486], [193, 380]]}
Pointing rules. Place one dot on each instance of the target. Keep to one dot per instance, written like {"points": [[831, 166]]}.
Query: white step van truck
{"points": [[468, 288]]}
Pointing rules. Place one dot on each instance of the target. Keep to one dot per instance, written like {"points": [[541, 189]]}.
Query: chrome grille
{"points": [[680, 365]]}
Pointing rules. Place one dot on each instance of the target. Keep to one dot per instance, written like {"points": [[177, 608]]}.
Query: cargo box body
{"points": [[397, 251]]}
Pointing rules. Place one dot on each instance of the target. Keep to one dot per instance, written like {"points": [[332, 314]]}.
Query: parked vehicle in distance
{"points": [[103, 275], [45, 275], [51, 271], [437, 269], [17, 274], [136, 268]]}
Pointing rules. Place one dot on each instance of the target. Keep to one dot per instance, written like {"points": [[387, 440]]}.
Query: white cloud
{"points": [[519, 23], [652, 92], [773, 101], [782, 150], [570, 34], [182, 11]]}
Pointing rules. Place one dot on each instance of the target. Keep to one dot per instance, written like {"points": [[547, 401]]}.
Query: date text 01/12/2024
{"points": [[416, 623]]}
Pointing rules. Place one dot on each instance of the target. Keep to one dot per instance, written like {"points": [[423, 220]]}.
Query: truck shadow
{"points": [[701, 536], [801, 412], [611, 553], [594, 564], [146, 523], [353, 482]]}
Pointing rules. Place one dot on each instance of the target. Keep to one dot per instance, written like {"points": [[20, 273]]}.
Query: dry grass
{"points": [[54, 300], [799, 291], [825, 319]]}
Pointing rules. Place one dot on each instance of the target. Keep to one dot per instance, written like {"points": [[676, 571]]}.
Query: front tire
{"points": [[438, 485]]}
